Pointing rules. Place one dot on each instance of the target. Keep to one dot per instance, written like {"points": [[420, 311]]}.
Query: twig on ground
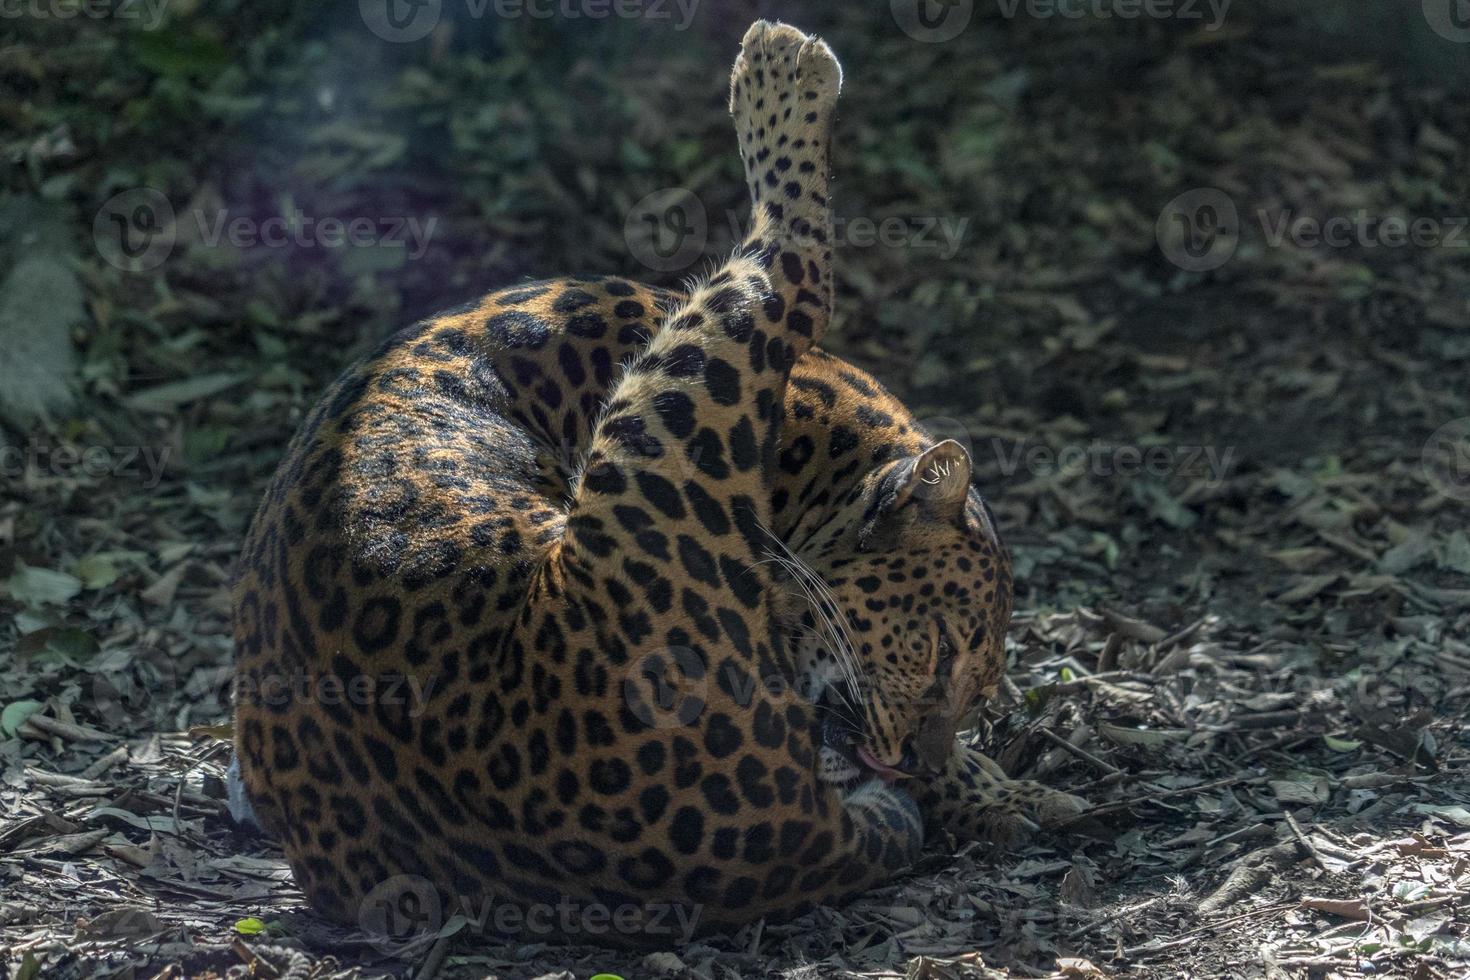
{"points": [[106, 762], [1134, 629], [1181, 635], [1304, 845], [1114, 807], [40, 727], [1080, 753], [434, 960], [1201, 930], [1251, 873], [1344, 908]]}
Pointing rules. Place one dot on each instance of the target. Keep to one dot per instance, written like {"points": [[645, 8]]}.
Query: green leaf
{"points": [[95, 572], [1163, 506], [1457, 815], [1301, 788], [230, 107], [206, 442], [1409, 891], [683, 155], [220, 733], [40, 302], [178, 55], [1406, 556], [1342, 744], [1037, 698], [361, 260], [15, 714], [1457, 553], [1104, 545], [30, 967], [250, 927], [42, 586], [64, 641], [262, 313], [167, 397], [634, 156]]}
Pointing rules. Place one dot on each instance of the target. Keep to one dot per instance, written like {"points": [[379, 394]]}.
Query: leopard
{"points": [[600, 592]]}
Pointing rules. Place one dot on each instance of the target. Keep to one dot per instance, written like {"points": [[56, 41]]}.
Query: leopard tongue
{"points": [[885, 772]]}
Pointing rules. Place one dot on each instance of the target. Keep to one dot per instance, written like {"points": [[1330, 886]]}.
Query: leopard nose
{"points": [[908, 761], [913, 763]]}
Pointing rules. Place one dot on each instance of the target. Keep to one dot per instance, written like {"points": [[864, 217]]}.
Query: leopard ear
{"points": [[930, 486], [938, 481]]}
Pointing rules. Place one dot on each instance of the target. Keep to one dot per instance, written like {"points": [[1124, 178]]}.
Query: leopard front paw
{"points": [[781, 71], [1011, 814]]}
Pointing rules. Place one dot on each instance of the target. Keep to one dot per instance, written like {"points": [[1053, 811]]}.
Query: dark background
{"points": [[1294, 614]]}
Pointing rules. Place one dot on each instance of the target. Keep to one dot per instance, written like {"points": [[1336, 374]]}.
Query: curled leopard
{"points": [[596, 592]]}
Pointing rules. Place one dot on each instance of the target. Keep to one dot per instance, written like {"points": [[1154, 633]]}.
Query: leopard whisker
{"points": [[830, 637], [825, 603], [831, 610]]}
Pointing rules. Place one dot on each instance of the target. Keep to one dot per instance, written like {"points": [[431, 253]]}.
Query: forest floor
{"points": [[1230, 454]]}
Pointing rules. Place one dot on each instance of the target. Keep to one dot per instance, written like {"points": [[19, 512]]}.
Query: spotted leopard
{"points": [[677, 607]]}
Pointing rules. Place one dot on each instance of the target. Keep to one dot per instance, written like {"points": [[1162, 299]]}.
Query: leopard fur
{"points": [[688, 610]]}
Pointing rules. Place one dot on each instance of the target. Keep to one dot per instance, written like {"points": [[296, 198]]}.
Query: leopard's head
{"points": [[899, 628]]}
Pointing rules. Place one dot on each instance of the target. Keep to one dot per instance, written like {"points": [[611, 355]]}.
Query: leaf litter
{"points": [[1254, 659]]}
